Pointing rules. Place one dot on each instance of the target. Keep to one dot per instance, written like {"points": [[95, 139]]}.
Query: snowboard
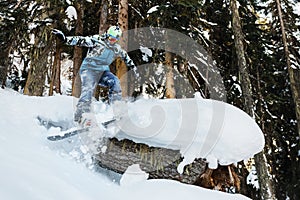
{"points": [[66, 130], [68, 133]]}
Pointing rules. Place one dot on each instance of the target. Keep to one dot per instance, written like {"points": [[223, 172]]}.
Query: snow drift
{"points": [[34, 168], [199, 128]]}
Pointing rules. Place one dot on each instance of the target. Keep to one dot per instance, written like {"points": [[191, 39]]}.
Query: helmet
{"points": [[114, 32]]}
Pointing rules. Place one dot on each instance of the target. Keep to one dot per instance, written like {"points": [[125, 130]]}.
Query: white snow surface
{"points": [[199, 128], [33, 168], [153, 9], [71, 13], [133, 175], [297, 8]]}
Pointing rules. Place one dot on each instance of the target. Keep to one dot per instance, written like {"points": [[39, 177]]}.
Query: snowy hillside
{"points": [[34, 168]]}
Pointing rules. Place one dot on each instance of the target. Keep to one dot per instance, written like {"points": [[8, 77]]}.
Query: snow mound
{"points": [[34, 168], [199, 128]]}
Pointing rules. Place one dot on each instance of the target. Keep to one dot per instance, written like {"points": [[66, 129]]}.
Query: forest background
{"points": [[254, 45]]}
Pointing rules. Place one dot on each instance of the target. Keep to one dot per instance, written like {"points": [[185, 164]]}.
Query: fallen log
{"points": [[159, 163]]}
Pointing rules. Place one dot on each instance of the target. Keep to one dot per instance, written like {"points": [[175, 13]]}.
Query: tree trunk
{"points": [[265, 181], [158, 162], [294, 74], [103, 17], [3, 66], [121, 68], [39, 65], [241, 59], [102, 28], [76, 82], [36, 76], [55, 77], [170, 85]]}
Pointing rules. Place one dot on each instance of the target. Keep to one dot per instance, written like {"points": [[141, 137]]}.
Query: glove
{"points": [[59, 34]]}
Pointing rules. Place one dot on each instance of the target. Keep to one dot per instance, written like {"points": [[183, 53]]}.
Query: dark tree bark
{"points": [[158, 162], [170, 85], [265, 182], [103, 17], [39, 64], [77, 60], [294, 74], [121, 68], [3, 66], [55, 77], [103, 26]]}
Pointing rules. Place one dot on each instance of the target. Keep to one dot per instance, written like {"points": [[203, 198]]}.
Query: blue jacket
{"points": [[101, 53]]}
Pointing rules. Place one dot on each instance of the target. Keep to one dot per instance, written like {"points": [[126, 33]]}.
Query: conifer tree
{"points": [[13, 34], [121, 68], [78, 51], [266, 186]]}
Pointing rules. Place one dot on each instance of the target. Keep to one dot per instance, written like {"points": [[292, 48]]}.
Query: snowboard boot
{"points": [[88, 120]]}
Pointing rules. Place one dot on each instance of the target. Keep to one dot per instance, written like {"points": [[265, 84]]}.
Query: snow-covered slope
{"points": [[33, 168]]}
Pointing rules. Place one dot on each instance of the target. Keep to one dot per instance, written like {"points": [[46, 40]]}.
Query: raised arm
{"points": [[85, 41], [125, 57], [129, 62]]}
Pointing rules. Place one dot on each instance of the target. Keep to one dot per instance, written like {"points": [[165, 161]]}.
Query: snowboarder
{"points": [[103, 49]]}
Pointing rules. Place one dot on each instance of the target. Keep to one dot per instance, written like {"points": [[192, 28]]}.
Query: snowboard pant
{"points": [[89, 80]]}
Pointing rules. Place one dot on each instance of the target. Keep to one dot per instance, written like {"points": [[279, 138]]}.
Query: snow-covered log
{"points": [[165, 137], [158, 162]]}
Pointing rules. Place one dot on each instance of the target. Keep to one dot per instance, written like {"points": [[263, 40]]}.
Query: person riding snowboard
{"points": [[94, 70]]}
